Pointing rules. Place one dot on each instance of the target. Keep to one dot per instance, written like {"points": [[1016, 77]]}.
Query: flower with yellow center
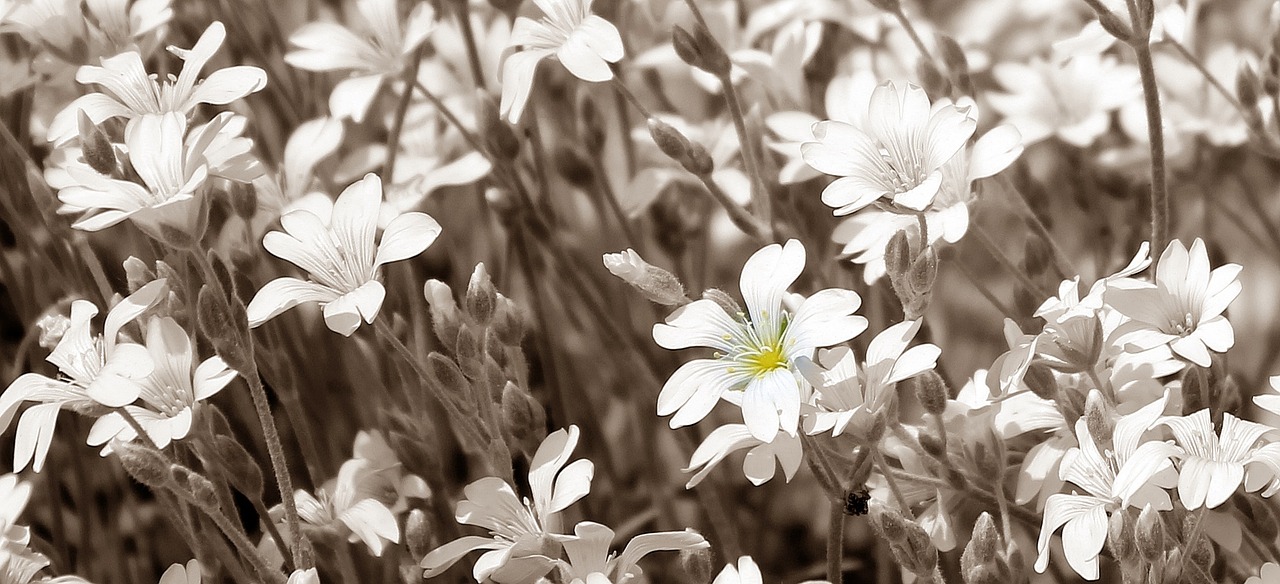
{"points": [[756, 350]]}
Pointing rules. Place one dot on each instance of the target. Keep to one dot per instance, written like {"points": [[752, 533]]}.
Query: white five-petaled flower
{"points": [[349, 506], [1212, 465], [899, 155], [590, 561], [339, 253], [170, 393], [378, 52], [1182, 308], [848, 393], [756, 350], [1113, 479], [96, 370], [584, 43], [519, 531], [131, 92]]}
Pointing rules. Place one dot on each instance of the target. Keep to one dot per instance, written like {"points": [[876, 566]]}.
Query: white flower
{"points": [[372, 55], [1268, 573], [131, 92], [1183, 307], [347, 506], [759, 466], [518, 530], [309, 576], [583, 42], [338, 252], [848, 393], [1212, 466], [171, 393], [590, 561], [1113, 479], [75, 31], [746, 572], [899, 155], [14, 495], [19, 565], [179, 574], [95, 371], [1071, 100], [1270, 401], [173, 166], [755, 351]]}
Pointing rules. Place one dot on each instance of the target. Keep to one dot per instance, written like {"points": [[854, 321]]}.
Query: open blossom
{"points": [[338, 252], [73, 31], [898, 156], [1183, 307], [348, 506], [518, 530], [373, 54], [590, 562], [584, 43], [848, 393], [1072, 100], [762, 459], [131, 93], [1112, 479], [756, 350], [1212, 465], [171, 392], [95, 371]]}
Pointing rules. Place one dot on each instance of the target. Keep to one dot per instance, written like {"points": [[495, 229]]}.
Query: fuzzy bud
{"points": [[481, 296], [521, 413], [470, 351], [225, 325], [917, 553], [1247, 85], [1194, 383], [932, 445], [658, 285], [699, 161], [446, 318], [924, 272], [508, 322], [932, 392], [137, 274], [957, 63], [1120, 538], [890, 6], [144, 464], [686, 46], [240, 469], [446, 374], [1115, 25], [697, 564], [193, 485], [1149, 535], [722, 298], [244, 201], [1040, 380], [669, 140], [1098, 417], [890, 524], [711, 55], [98, 152], [897, 255], [984, 546], [417, 533]]}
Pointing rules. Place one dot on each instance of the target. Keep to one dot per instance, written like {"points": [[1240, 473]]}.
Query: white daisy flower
{"points": [[755, 351], [1212, 465]]}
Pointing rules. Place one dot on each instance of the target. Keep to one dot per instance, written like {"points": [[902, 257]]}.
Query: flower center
{"points": [[764, 360], [1183, 328]]}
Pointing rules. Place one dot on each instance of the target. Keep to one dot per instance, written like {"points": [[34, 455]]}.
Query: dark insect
{"points": [[855, 502]]}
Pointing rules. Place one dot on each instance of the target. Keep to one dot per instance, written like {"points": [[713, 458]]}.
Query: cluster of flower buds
{"points": [[909, 542], [912, 269]]}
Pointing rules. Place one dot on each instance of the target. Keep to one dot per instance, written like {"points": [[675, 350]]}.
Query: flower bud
{"points": [[932, 392], [143, 463], [225, 325], [897, 255], [447, 375], [918, 552], [686, 46], [1037, 256], [1040, 380], [1260, 518], [522, 415], [1247, 85], [469, 348], [984, 546], [1149, 535], [1116, 26], [497, 137], [417, 533], [481, 296], [445, 316], [244, 201], [924, 272], [658, 285], [669, 140], [699, 161], [195, 486], [726, 302], [932, 445], [1098, 417], [98, 152], [1194, 384], [711, 55], [890, 6], [1120, 536], [52, 327], [890, 524], [697, 564], [957, 63], [239, 468], [508, 322]]}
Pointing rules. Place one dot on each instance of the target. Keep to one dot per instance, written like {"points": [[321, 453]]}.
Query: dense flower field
{"points": [[626, 291]]}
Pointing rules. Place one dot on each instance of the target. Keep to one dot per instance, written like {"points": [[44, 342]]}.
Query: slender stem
{"points": [[983, 290], [275, 449], [822, 470], [137, 428], [911, 32], [878, 458], [402, 108], [615, 207], [469, 37], [241, 541], [750, 159], [740, 217], [1061, 261], [983, 238], [1208, 76], [1155, 133], [631, 97], [835, 543]]}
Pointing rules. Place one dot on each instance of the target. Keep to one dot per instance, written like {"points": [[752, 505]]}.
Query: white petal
{"points": [[343, 314], [407, 236], [282, 294]]}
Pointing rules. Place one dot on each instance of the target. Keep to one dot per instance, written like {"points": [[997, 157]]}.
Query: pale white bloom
{"points": [[1072, 101], [746, 572], [756, 350], [338, 252], [898, 156], [19, 564], [180, 574], [376, 51], [1182, 308], [349, 506], [1270, 401], [590, 561], [130, 92], [584, 43], [846, 100], [762, 460], [96, 370], [627, 265], [309, 576], [1268, 573], [76, 31], [1113, 479], [171, 393], [848, 393], [14, 495], [1212, 465], [518, 540]]}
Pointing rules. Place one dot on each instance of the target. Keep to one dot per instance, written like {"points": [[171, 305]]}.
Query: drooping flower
{"points": [[131, 93], [848, 393], [1112, 479], [590, 562], [1183, 307], [756, 350], [518, 530], [171, 393], [899, 155], [1212, 465], [762, 460], [377, 51], [96, 371], [338, 252], [584, 43]]}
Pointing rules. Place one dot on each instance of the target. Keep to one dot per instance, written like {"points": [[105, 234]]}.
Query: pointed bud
{"points": [[726, 302], [98, 152], [417, 533], [1037, 256], [1149, 535], [699, 161], [890, 6], [446, 318], [469, 349], [669, 140], [194, 486], [935, 84], [890, 524], [932, 445], [447, 375], [697, 564], [225, 325], [1099, 417], [1120, 536], [932, 392], [508, 322], [657, 284], [1194, 384], [244, 200], [897, 255], [686, 46], [956, 62], [711, 55], [522, 415], [984, 545], [481, 296], [924, 272], [240, 469], [143, 463], [1041, 381], [1116, 26]]}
